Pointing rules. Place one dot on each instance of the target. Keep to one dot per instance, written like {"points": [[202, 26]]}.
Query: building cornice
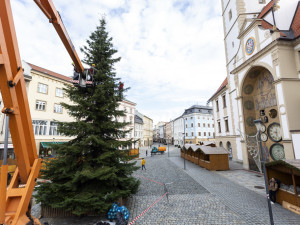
{"points": [[286, 79]]}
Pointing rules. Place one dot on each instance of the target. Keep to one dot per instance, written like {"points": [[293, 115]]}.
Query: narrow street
{"points": [[198, 196]]}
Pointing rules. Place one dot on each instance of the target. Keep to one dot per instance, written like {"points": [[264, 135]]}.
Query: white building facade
{"points": [[178, 131], [198, 124]]}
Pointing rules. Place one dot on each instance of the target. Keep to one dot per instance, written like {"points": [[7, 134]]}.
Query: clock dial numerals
{"points": [[274, 132], [264, 137]]}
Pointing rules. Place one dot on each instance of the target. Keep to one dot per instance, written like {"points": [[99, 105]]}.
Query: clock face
{"points": [[264, 137], [273, 113], [277, 151], [263, 128], [274, 132]]}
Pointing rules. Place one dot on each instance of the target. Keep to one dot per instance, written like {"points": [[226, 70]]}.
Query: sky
{"points": [[172, 51]]}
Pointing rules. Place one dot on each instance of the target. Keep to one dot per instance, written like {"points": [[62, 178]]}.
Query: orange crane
{"points": [[15, 199]]}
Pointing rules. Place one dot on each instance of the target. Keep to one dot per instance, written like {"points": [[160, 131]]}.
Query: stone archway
{"points": [[221, 144], [259, 101]]}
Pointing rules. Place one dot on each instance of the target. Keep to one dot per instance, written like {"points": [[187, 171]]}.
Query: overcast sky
{"points": [[172, 51]]}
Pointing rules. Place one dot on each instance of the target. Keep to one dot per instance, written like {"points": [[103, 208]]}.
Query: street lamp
{"points": [[168, 145], [258, 124]]}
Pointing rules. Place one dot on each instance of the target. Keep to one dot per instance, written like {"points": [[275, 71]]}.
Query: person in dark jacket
{"points": [[273, 188]]}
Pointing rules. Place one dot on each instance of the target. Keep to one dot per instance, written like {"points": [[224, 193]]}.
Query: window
{"points": [[198, 124], [203, 124], [213, 125], [191, 118], [192, 133], [226, 126], [59, 92], [199, 133], [40, 105], [230, 14], [224, 101], [43, 88], [57, 108], [186, 126], [204, 134], [208, 125], [53, 128], [186, 134], [192, 125], [39, 127], [219, 125], [217, 105], [209, 134]]}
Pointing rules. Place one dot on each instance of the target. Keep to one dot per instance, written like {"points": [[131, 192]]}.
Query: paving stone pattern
{"points": [[250, 206], [189, 202]]}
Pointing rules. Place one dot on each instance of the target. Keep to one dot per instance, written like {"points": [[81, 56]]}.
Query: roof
{"points": [[223, 85], [49, 72], [266, 9], [290, 163], [198, 109], [207, 150], [138, 119], [291, 32]]}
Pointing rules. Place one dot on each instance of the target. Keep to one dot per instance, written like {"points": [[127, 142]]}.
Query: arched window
{"points": [[221, 144]]}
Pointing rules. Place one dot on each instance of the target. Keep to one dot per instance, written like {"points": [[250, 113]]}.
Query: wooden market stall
{"points": [[211, 158], [288, 172]]}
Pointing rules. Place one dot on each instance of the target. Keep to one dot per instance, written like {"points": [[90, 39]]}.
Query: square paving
{"points": [[198, 196]]}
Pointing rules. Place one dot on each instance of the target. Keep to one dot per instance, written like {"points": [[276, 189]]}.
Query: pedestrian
{"points": [[273, 188], [146, 152], [143, 163], [8, 178]]}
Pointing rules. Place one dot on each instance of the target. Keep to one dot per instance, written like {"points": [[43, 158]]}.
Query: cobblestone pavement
{"points": [[198, 196]]}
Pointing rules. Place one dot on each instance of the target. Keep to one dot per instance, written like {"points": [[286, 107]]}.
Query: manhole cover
{"points": [[259, 187]]}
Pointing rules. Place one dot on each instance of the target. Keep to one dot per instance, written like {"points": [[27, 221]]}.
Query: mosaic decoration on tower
{"points": [[250, 46]]}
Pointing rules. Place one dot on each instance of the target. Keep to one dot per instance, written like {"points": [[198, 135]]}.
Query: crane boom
{"points": [[15, 199], [53, 15]]}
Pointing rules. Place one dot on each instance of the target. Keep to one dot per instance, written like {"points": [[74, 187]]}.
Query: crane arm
{"points": [[53, 15]]}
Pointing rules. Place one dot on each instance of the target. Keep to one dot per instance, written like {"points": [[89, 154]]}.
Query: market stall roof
{"points": [[290, 163], [207, 150]]}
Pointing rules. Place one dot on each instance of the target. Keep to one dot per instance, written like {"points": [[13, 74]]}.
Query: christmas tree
{"points": [[90, 172]]}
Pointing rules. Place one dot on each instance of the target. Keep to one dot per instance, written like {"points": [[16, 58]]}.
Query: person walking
{"points": [[143, 163], [146, 152]]}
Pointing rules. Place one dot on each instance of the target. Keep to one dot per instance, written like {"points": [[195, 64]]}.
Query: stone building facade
{"points": [[262, 45]]}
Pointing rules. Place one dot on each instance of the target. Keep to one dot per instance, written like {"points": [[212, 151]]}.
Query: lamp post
{"points": [[258, 124], [168, 145]]}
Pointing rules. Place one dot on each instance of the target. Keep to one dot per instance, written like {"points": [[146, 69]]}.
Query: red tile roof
{"points": [[49, 72], [296, 22], [225, 82], [266, 9]]}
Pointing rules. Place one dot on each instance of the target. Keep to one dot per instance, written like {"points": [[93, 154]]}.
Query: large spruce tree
{"points": [[90, 172]]}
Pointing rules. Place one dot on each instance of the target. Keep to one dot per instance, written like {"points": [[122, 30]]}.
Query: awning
{"points": [[47, 144]]}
